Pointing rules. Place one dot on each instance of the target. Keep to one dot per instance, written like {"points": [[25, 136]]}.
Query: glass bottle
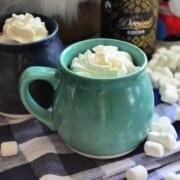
{"points": [[134, 21]]}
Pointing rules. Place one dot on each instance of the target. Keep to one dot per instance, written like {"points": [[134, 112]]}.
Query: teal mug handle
{"points": [[28, 76]]}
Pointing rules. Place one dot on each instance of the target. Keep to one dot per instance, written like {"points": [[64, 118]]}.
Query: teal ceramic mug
{"points": [[100, 118]]}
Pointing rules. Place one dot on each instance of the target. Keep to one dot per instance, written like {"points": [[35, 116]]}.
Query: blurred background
{"points": [[88, 22]]}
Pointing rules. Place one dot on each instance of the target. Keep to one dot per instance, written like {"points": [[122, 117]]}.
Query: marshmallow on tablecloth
{"points": [[9, 148], [164, 120], [166, 139], [177, 114], [161, 50], [175, 48], [166, 58], [153, 136], [169, 97], [137, 173], [177, 75], [168, 93], [162, 136], [178, 91], [155, 127], [172, 176], [152, 64], [159, 79], [168, 128], [155, 78], [165, 86], [153, 149], [163, 126], [163, 70]]}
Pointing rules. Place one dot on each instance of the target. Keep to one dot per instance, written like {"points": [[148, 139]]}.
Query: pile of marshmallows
{"points": [[162, 137], [164, 71]]}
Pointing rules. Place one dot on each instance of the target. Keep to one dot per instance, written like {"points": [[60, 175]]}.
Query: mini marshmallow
{"points": [[169, 80], [153, 136], [178, 91], [165, 71], [172, 56], [177, 114], [137, 173], [168, 128], [166, 86], [156, 56], [162, 61], [162, 50], [173, 64], [175, 82], [175, 48], [152, 64], [164, 120], [149, 71], [167, 140], [153, 149], [155, 78], [169, 97], [170, 53], [9, 148], [177, 75], [172, 176], [155, 82], [155, 126], [163, 126]]}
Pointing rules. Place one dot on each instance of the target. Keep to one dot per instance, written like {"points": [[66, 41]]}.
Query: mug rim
{"points": [[56, 28], [65, 68]]}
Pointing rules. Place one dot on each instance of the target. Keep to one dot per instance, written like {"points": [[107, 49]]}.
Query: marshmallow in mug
{"points": [[103, 62], [23, 28]]}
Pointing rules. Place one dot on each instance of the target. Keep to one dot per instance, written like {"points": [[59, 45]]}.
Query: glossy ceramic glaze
{"points": [[95, 117], [14, 58]]}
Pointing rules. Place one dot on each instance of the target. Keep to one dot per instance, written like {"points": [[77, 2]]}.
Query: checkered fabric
{"points": [[42, 155]]}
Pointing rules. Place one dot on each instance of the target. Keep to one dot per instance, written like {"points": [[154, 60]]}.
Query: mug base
{"points": [[100, 157]]}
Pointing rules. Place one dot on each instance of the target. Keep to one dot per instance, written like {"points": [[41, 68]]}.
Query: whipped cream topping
{"points": [[23, 28], [103, 62]]}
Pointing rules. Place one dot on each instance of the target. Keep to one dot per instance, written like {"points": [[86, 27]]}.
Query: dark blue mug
{"points": [[15, 58]]}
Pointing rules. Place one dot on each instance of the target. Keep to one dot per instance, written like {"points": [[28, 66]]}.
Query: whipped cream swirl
{"points": [[23, 28], [103, 62]]}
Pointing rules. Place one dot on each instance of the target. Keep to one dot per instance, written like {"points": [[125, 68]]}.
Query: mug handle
{"points": [[28, 76]]}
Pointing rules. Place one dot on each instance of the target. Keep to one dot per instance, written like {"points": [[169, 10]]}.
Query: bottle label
{"points": [[135, 26]]}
